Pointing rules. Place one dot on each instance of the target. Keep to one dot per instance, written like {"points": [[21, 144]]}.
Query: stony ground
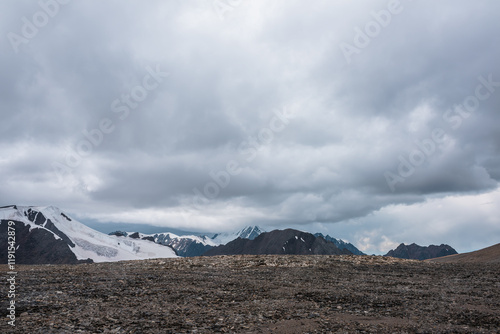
{"points": [[257, 294]]}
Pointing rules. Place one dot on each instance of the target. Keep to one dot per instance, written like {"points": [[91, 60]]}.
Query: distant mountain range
{"points": [[193, 245], [46, 235], [416, 252], [287, 241]]}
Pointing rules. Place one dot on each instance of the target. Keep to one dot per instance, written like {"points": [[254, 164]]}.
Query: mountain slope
{"points": [[287, 241], [486, 255], [47, 235], [416, 252], [248, 232], [341, 244], [184, 245]]}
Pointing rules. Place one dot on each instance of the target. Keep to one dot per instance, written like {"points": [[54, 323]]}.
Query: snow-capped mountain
{"points": [[48, 235], [341, 244], [249, 232], [184, 245], [193, 245]]}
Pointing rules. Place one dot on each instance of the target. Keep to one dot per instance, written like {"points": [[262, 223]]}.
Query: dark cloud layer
{"points": [[262, 118]]}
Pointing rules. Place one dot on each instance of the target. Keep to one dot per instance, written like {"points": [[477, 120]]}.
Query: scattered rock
{"points": [[258, 293]]}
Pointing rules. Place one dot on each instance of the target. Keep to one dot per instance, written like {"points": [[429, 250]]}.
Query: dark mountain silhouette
{"points": [[287, 241], [416, 252]]}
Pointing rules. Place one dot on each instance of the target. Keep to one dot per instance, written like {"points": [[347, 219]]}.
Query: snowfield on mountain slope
{"points": [[249, 232], [158, 237], [90, 243]]}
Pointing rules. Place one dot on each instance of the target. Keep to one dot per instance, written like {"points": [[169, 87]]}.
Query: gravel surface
{"points": [[257, 294]]}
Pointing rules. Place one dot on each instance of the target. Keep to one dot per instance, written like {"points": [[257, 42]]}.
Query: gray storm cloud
{"points": [[378, 106]]}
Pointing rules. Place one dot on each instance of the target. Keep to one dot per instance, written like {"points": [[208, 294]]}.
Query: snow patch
{"points": [[98, 249]]}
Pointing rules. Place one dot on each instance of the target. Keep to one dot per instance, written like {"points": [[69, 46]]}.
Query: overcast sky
{"points": [[373, 121]]}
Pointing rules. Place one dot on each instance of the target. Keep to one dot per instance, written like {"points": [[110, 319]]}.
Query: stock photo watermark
{"points": [[248, 150], [121, 107], [223, 7], [11, 274], [30, 26], [428, 146], [372, 29]]}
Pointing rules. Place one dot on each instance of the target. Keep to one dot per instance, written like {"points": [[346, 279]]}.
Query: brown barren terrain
{"points": [[485, 255], [257, 294]]}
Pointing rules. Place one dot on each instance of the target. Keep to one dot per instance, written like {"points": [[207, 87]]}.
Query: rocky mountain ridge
{"points": [[287, 241], [416, 252], [194, 245], [184, 245]]}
